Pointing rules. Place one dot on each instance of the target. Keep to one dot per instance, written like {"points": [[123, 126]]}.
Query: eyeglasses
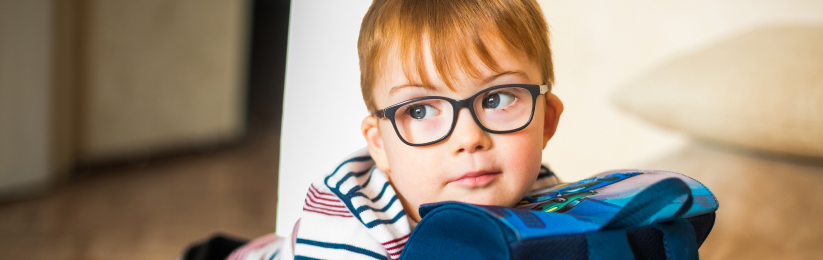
{"points": [[499, 110]]}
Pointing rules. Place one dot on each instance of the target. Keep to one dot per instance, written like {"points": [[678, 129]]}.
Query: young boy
{"points": [[461, 109]]}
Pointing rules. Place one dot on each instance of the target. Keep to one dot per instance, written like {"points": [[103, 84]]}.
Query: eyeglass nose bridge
{"points": [[460, 104]]}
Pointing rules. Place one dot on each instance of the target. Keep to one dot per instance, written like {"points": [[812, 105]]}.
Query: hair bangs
{"points": [[459, 36]]}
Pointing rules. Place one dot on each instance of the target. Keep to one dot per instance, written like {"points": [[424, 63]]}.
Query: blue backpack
{"points": [[615, 215]]}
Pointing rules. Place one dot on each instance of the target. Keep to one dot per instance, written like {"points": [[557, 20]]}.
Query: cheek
{"points": [[526, 142], [529, 141], [521, 152], [415, 172]]}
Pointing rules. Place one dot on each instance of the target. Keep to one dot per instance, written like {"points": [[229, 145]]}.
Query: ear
{"points": [[554, 107], [371, 132]]}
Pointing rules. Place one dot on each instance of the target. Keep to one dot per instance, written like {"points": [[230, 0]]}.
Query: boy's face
{"points": [[470, 165]]}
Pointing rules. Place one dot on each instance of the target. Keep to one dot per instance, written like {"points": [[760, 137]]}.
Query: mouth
{"points": [[476, 179]]}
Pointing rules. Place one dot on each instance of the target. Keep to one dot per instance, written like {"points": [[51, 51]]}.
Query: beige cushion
{"points": [[769, 208], [759, 90]]}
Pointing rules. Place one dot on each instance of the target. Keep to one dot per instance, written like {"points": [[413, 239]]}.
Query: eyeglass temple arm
{"points": [[543, 89], [379, 114]]}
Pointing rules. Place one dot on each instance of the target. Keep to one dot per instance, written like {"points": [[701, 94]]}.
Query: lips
{"points": [[476, 178]]}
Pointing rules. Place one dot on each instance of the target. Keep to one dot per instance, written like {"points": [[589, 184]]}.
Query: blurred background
{"points": [[131, 129]]}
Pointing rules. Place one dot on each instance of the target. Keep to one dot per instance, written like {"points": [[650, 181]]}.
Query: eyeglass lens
{"points": [[501, 109]]}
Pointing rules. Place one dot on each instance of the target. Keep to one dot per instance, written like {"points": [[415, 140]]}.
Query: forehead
{"points": [[451, 76]]}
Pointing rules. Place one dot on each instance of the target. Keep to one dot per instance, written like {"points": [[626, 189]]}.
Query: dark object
{"points": [[453, 230], [267, 64], [218, 247]]}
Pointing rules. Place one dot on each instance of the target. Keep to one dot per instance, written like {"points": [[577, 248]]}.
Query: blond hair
{"points": [[456, 31]]}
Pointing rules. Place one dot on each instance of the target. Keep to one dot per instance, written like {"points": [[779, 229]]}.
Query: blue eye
{"points": [[498, 100], [422, 111]]}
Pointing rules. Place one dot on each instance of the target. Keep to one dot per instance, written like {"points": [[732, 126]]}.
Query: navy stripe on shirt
{"points": [[346, 247], [355, 174], [384, 209], [336, 189], [376, 222], [355, 192], [300, 257], [356, 212]]}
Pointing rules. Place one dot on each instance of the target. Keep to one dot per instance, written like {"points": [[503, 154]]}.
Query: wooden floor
{"points": [[151, 210]]}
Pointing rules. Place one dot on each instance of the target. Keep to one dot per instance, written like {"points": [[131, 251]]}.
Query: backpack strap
{"points": [[610, 242], [650, 201], [678, 239]]}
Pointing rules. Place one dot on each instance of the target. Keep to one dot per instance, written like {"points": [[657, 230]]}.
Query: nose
{"points": [[467, 136]]}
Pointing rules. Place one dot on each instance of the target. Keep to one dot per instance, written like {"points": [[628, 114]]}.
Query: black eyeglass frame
{"points": [[535, 90]]}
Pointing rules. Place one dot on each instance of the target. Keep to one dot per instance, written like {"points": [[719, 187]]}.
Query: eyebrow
{"points": [[484, 82], [399, 87], [509, 72]]}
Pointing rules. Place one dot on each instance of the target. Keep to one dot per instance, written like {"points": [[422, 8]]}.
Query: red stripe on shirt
{"points": [[309, 200], [395, 240], [398, 246], [327, 213], [333, 210], [320, 192], [395, 255], [323, 196]]}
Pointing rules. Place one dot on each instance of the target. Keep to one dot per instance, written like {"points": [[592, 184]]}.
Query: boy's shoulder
{"points": [[545, 178], [362, 189], [352, 208]]}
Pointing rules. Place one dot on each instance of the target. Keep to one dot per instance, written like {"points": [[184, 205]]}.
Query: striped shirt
{"points": [[351, 213]]}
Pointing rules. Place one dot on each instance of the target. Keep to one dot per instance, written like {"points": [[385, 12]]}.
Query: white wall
{"points": [[322, 105], [597, 45], [600, 44]]}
